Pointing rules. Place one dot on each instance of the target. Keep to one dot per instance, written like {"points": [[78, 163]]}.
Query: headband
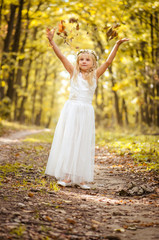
{"points": [[88, 51]]}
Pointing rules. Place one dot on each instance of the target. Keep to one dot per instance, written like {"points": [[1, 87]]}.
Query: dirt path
{"points": [[17, 136], [33, 207]]}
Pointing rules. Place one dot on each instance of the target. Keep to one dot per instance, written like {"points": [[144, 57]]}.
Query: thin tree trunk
{"points": [[34, 94], [21, 116], [157, 88], [102, 95], [52, 101], [116, 98], [147, 118], [152, 90], [43, 87], [152, 39], [137, 113], [124, 110]]}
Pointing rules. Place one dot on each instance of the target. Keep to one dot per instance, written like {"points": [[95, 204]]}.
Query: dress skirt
{"points": [[73, 147]]}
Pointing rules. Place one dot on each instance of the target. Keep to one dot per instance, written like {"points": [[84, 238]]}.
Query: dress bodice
{"points": [[81, 91]]}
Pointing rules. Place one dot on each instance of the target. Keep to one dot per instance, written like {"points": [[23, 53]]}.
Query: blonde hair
{"points": [[92, 70]]}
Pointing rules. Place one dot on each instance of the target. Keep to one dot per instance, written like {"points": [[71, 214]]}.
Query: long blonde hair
{"points": [[92, 71]]}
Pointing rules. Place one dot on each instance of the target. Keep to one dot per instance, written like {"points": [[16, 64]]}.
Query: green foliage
{"points": [[20, 171], [7, 127], [19, 231], [144, 149], [5, 108], [40, 90]]}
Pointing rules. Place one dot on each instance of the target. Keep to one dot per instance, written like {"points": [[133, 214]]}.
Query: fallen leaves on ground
{"points": [[34, 207]]}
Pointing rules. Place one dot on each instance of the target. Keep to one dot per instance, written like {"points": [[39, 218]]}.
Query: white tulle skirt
{"points": [[72, 151]]}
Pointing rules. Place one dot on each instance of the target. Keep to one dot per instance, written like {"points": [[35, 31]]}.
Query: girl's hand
{"points": [[122, 40], [50, 33]]}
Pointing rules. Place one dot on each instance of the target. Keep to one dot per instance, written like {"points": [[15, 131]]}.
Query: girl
{"points": [[71, 158]]}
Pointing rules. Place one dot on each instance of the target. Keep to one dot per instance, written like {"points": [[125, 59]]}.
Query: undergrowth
{"points": [[144, 149]]}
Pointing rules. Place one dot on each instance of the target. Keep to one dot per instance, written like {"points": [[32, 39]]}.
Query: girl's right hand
{"points": [[50, 33]]}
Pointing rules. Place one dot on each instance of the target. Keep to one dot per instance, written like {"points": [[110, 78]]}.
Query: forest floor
{"points": [[122, 204]]}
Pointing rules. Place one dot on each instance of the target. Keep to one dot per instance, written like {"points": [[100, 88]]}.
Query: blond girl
{"points": [[71, 158]]}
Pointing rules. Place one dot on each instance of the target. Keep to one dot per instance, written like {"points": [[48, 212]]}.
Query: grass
{"points": [[43, 137], [7, 127], [16, 175], [144, 149]]}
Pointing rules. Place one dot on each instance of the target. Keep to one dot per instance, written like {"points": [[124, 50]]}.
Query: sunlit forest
{"points": [[121, 201], [34, 84]]}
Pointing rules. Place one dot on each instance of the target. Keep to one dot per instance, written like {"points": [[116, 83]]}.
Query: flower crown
{"points": [[88, 51]]}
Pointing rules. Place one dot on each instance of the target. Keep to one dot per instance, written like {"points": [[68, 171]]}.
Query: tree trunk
{"points": [[137, 94], [38, 117], [102, 96], [124, 110], [157, 68], [147, 117], [20, 64], [21, 116], [7, 43], [52, 101], [34, 94], [142, 114], [1, 7], [15, 48], [116, 98], [152, 39], [157, 88]]}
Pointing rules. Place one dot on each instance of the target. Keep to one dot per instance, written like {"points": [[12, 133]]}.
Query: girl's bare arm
{"points": [[110, 58], [64, 60]]}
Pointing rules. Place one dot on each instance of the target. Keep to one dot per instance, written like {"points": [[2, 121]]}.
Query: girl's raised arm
{"points": [[110, 58], [64, 60]]}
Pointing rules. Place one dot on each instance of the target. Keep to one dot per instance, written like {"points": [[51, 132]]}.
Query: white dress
{"points": [[73, 147]]}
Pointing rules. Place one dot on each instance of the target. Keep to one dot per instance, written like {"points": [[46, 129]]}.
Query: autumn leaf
{"points": [[109, 32], [30, 194], [116, 25], [70, 220], [77, 27], [61, 26], [73, 20]]}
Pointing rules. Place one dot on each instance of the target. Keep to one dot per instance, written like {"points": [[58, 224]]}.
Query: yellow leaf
{"points": [[115, 87], [30, 194], [2, 83]]}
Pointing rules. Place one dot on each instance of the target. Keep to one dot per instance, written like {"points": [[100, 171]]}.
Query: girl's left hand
{"points": [[122, 40]]}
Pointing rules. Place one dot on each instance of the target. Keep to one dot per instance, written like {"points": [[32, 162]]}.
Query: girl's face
{"points": [[85, 62]]}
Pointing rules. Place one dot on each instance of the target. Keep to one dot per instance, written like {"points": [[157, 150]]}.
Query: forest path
{"points": [[122, 203], [17, 136]]}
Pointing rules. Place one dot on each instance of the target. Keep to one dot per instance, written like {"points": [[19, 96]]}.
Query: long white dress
{"points": [[73, 147]]}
